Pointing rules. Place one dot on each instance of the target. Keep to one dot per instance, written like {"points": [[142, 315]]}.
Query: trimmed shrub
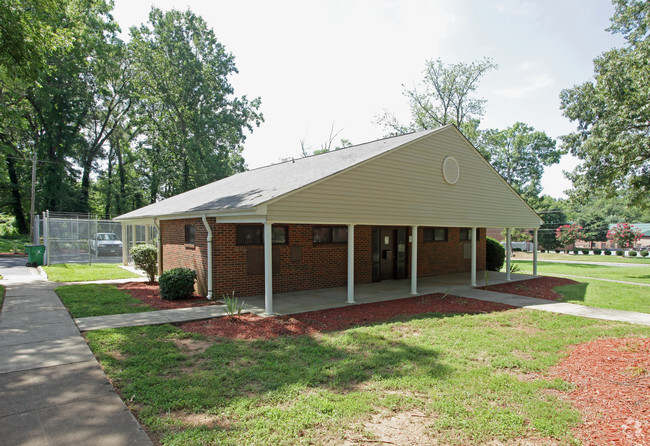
{"points": [[631, 253], [145, 257], [517, 250], [597, 252], [557, 251], [585, 252], [619, 253], [495, 254], [177, 283], [575, 251], [542, 251], [607, 252], [644, 253]]}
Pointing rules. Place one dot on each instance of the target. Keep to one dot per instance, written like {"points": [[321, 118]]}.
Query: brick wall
{"points": [[176, 254], [440, 258], [302, 264]]}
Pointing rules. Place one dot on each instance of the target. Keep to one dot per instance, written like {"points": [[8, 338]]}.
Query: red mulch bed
{"points": [[250, 326], [541, 287], [148, 294], [613, 390]]}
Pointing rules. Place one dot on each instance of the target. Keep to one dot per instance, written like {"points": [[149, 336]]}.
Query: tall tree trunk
{"points": [[15, 195], [109, 174], [122, 175]]}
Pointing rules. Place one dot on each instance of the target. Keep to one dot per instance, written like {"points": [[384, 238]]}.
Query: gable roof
{"points": [[248, 189], [394, 181]]}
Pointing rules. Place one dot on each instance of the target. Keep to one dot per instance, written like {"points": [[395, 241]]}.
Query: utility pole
{"points": [[31, 210]]}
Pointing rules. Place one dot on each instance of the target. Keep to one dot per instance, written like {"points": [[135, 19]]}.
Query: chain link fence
{"points": [[85, 238]]}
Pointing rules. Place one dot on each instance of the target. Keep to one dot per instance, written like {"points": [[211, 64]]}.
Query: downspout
{"points": [[209, 239], [158, 245]]}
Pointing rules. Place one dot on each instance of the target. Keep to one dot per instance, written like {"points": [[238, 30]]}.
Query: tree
{"points": [[624, 235], [445, 96], [569, 234], [553, 213], [613, 113], [519, 153], [194, 125]]}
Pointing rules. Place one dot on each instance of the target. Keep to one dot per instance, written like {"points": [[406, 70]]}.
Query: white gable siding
{"points": [[406, 187]]}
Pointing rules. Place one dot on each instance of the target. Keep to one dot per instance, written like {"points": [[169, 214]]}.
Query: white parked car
{"points": [[106, 243]]}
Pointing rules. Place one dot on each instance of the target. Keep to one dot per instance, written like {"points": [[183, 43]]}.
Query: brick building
{"points": [[404, 207]]}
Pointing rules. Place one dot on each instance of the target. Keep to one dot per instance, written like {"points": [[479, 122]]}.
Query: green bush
{"points": [[495, 255], [597, 252], [145, 257], [644, 253], [542, 251], [517, 250], [575, 251], [557, 251], [585, 252], [631, 253], [619, 252], [8, 227], [607, 252], [177, 283]]}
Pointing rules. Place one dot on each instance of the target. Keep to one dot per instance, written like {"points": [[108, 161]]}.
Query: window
{"points": [[254, 235], [249, 235], [279, 235], [330, 234], [466, 234], [190, 234], [435, 234]]}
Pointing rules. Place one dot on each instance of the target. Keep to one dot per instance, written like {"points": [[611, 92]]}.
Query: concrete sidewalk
{"points": [[53, 390], [315, 300]]}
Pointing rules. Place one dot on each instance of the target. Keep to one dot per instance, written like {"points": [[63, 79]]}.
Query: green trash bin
{"points": [[35, 254]]}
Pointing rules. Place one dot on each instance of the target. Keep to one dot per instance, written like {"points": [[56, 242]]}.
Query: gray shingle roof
{"points": [[254, 187]]}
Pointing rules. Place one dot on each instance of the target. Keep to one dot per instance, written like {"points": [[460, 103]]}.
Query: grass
{"points": [[477, 379], [8, 245], [80, 272], [2, 294], [624, 273], [616, 296], [583, 258], [598, 293], [98, 300]]}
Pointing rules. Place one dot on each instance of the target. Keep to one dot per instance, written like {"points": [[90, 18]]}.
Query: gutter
{"points": [[209, 239], [159, 245]]}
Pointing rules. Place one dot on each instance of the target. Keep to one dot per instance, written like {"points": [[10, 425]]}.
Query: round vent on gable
{"points": [[450, 170]]}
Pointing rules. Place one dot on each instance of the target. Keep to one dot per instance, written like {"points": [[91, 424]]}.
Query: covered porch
{"points": [[321, 299]]}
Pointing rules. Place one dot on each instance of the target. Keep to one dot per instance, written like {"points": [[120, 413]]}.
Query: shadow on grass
{"points": [[576, 292], [147, 363]]}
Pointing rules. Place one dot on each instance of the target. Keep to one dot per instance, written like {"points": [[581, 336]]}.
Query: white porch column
{"points": [[535, 252], [508, 254], [350, 264], [125, 244], [414, 259], [133, 234], [473, 257], [147, 236], [268, 269]]}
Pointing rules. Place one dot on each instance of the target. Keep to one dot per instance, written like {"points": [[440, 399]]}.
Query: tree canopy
{"points": [[113, 125], [613, 113]]}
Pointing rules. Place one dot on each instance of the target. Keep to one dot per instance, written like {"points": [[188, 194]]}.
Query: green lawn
{"points": [[638, 274], [98, 300], [473, 380], [618, 296], [80, 272], [598, 293], [12, 245], [582, 258]]}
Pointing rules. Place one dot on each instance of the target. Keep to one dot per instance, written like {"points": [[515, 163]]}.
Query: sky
{"points": [[318, 65]]}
